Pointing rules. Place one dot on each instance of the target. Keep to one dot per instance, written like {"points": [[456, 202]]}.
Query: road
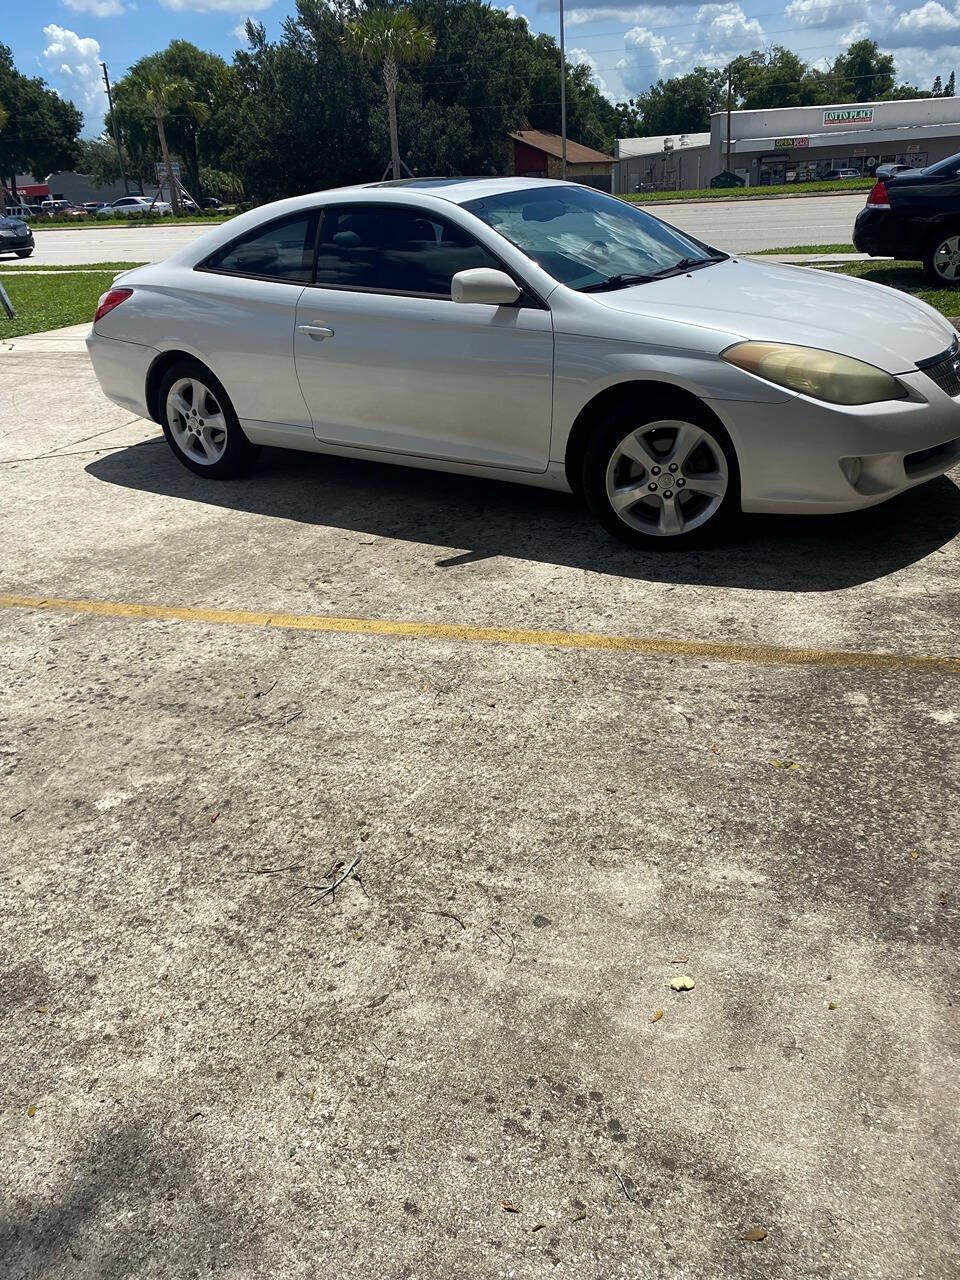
{"points": [[455, 1064], [737, 226]]}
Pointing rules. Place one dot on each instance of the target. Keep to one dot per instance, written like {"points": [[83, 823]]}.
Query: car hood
{"points": [[745, 298], [13, 224]]}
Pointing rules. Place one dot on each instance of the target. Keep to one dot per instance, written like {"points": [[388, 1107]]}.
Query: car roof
{"points": [[456, 190]]}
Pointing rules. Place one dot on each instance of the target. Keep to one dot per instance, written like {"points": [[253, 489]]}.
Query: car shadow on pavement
{"points": [[489, 518]]}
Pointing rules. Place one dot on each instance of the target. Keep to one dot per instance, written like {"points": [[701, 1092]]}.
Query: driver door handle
{"points": [[317, 331]]}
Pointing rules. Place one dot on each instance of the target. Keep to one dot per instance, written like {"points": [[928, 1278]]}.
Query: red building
{"points": [[536, 154]]}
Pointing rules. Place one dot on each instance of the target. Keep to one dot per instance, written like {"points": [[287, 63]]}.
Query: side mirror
{"points": [[483, 284]]}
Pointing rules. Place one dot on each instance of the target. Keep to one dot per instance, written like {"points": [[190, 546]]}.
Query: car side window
{"points": [[282, 250], [394, 250]]}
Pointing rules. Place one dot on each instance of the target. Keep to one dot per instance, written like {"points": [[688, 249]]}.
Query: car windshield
{"points": [[588, 240]]}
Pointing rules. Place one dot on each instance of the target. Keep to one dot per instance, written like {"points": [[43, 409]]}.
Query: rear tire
{"points": [[200, 423], [660, 480], [941, 259]]}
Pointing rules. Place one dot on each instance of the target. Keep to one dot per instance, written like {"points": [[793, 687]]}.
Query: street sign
{"points": [[162, 170]]}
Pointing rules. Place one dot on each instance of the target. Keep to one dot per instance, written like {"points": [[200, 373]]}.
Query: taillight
{"points": [[112, 298], [878, 197]]}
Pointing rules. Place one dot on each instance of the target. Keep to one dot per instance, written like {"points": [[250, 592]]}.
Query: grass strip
{"points": [[50, 302]]}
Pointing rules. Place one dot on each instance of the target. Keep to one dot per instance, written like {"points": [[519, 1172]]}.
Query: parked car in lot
{"points": [[834, 175], [25, 212], [133, 207], [538, 332], [15, 237], [915, 214], [211, 202]]}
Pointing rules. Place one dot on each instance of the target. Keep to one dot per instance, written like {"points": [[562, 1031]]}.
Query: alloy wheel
{"points": [[196, 421], [667, 478], [946, 259]]}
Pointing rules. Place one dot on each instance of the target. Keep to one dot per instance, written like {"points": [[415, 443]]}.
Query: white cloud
{"points": [[216, 6], [824, 13], [724, 30], [512, 11], [929, 17], [577, 56], [647, 52], [239, 32], [96, 8], [931, 26], [74, 61]]}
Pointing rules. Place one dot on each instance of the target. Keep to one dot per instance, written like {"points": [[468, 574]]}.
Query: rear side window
{"points": [[282, 250], [394, 250]]}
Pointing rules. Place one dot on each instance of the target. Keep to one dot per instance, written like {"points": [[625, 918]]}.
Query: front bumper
{"points": [[10, 244], [797, 457]]}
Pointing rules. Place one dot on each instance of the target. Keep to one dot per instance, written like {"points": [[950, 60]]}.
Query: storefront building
{"points": [[800, 144]]}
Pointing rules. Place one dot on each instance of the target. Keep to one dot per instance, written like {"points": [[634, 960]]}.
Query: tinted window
{"points": [[397, 250], [281, 250]]}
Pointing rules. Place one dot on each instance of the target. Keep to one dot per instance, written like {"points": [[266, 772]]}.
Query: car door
{"points": [[387, 361], [242, 317]]}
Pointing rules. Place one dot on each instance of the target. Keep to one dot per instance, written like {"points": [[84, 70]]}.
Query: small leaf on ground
{"points": [[832, 1004], [756, 1233], [509, 1206], [784, 764], [682, 982], [578, 1218], [31, 1111], [914, 854], [538, 1226], [657, 1016], [679, 959]]}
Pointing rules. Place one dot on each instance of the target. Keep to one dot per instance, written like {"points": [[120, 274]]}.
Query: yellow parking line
{"points": [[765, 654]]}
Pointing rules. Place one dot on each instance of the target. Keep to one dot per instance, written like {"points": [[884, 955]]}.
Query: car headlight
{"points": [[825, 375]]}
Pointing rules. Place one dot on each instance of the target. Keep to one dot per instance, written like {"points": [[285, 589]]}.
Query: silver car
{"points": [[538, 332]]}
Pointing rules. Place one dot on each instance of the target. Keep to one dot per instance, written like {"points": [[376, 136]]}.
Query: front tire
{"points": [[24, 253], [662, 482], [941, 260], [200, 423]]}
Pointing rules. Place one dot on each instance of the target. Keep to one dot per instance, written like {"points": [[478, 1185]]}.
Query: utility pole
{"points": [[563, 100], [114, 130], [729, 109]]}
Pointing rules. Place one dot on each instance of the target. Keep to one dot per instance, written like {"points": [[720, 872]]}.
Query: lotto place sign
{"points": [[848, 115]]}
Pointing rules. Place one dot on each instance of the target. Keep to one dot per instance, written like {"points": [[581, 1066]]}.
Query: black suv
{"points": [[916, 214]]}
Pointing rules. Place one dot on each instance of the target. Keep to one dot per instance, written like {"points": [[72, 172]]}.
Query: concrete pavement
{"points": [[735, 226], [452, 1066]]}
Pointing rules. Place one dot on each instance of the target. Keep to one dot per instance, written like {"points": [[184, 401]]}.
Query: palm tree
{"points": [[163, 95], [389, 37]]}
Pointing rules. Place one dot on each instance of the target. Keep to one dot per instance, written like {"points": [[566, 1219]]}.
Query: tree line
{"points": [[351, 93]]}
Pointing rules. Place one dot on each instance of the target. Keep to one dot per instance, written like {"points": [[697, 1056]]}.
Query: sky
{"points": [[627, 46]]}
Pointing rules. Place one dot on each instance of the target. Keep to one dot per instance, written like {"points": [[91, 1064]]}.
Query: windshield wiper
{"points": [[615, 282], [688, 264], [678, 268]]}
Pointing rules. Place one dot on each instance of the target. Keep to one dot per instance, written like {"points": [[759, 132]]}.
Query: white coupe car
{"points": [[539, 332], [133, 207]]}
